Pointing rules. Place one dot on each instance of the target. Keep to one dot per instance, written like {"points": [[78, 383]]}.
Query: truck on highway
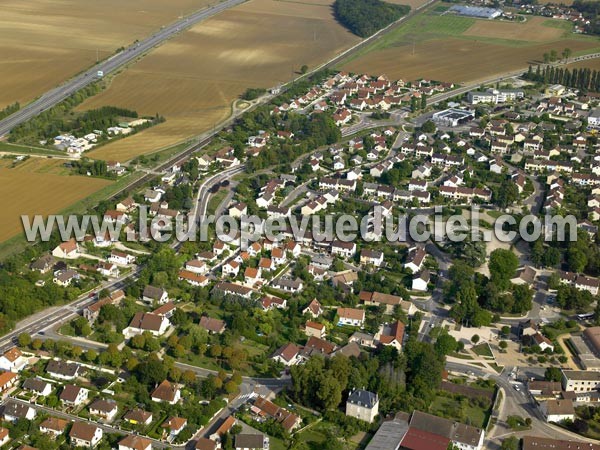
{"points": [[100, 73]]}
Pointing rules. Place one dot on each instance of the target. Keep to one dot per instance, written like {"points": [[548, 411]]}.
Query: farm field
{"points": [[444, 47], [45, 42], [193, 79], [39, 186]]}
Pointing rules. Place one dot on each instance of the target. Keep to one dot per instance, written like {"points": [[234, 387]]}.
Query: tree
{"points": [[552, 374], [566, 53], [445, 344], [475, 338], [503, 265], [510, 443], [24, 340], [503, 345], [428, 127], [303, 69]]}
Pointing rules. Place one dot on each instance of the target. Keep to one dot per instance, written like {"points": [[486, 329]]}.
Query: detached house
{"points": [[155, 324], [415, 259], [153, 294], [135, 442], [343, 249], [13, 360], [67, 250], [72, 395], [166, 392], [363, 405], [314, 309], [106, 409], [84, 434], [351, 316]]}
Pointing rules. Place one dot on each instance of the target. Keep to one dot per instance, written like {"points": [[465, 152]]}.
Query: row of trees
{"points": [[583, 78], [365, 17], [10, 109]]}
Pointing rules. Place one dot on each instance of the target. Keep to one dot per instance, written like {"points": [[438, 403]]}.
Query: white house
{"points": [[13, 360], [351, 316]]}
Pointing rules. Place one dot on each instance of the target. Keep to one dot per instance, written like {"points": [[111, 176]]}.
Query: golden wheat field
{"points": [[39, 186], [44, 42], [193, 79]]}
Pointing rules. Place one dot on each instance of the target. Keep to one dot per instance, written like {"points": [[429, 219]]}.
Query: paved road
{"points": [[115, 62], [514, 403]]}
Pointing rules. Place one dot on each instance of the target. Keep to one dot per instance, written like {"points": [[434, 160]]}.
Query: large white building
{"points": [[494, 96]]}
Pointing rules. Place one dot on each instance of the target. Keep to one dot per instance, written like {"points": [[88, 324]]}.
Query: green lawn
{"points": [[483, 350], [215, 201], [29, 150], [459, 410]]}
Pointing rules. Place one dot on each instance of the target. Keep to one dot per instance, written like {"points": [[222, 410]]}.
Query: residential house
{"points": [[213, 326], [315, 329], [13, 360], [15, 411], [287, 354], [153, 294], [85, 434], [351, 316], [166, 392], [391, 335], [37, 386], [415, 259], [63, 370], [373, 257], [138, 417], [363, 405], [174, 425], [105, 409], [555, 410], [135, 442], [67, 250], [314, 309], [72, 395], [147, 322], [53, 426]]}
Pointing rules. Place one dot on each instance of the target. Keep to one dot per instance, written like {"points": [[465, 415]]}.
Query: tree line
{"points": [[365, 17], [10, 109], [585, 79]]}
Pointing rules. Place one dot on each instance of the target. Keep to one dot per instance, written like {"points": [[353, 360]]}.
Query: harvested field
{"points": [[39, 186], [532, 30], [593, 64], [193, 79], [452, 59], [445, 48], [44, 42]]}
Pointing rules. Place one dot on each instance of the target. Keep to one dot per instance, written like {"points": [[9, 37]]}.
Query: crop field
{"points": [[535, 29], [39, 186], [461, 49], [193, 79], [44, 42]]}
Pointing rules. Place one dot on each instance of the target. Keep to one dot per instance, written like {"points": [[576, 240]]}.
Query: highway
{"points": [[110, 65]]}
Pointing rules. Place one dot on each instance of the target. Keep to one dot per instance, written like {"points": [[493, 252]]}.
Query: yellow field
{"points": [[44, 42], [39, 186], [193, 79], [532, 30]]}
